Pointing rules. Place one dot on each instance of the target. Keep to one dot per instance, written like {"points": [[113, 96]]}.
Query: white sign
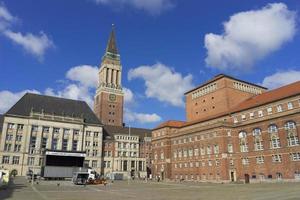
{"points": [[54, 153]]}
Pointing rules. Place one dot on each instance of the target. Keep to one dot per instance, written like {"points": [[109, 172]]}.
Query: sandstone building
{"points": [[235, 131], [37, 123]]}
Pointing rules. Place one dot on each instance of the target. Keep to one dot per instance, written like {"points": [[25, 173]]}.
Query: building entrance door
{"points": [[232, 176], [247, 178]]}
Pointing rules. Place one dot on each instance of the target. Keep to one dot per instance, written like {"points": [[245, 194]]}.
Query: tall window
{"points": [[196, 152], [30, 160], [216, 149], [74, 146], [274, 138], [44, 142], [243, 141], [65, 144], [5, 160], [202, 151], [54, 144], [258, 145], [208, 150], [15, 160], [290, 105], [230, 148], [292, 136], [279, 108], [191, 153], [275, 142]]}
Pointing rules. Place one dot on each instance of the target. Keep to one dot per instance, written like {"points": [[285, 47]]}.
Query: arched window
{"points": [[242, 134], [273, 128], [256, 132], [290, 125]]}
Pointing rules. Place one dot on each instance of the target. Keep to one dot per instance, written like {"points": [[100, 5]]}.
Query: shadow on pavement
{"points": [[6, 191]]}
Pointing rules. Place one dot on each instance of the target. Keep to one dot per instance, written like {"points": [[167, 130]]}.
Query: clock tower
{"points": [[109, 96]]}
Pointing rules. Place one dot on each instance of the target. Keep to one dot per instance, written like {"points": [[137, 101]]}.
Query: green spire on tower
{"points": [[112, 45]]}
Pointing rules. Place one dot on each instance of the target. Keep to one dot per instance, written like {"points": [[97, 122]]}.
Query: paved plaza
{"points": [[20, 189]]}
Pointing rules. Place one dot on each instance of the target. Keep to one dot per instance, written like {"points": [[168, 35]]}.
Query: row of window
{"points": [[195, 138], [268, 111], [123, 137], [292, 137], [93, 163], [277, 158], [16, 160], [127, 154], [46, 129], [127, 145], [13, 126], [195, 152], [197, 164]]}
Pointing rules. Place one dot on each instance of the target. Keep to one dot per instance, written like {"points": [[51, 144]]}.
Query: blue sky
{"points": [[167, 47]]}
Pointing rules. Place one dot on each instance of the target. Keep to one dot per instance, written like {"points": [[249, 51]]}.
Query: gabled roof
{"points": [[255, 101], [170, 123], [112, 44], [109, 131], [268, 97], [1, 122], [53, 105], [219, 76]]}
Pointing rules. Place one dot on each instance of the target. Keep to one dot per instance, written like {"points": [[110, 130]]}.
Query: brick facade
{"points": [[254, 139]]}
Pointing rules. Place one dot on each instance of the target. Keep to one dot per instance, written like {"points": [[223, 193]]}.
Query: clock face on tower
{"points": [[112, 97]]}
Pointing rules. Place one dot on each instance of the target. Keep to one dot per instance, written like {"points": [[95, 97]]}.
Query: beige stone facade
{"points": [[25, 139], [125, 153]]}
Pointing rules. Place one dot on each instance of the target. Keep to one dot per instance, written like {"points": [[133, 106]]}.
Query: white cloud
{"points": [[163, 83], [80, 84], [153, 7], [281, 78], [5, 17], [33, 44], [8, 99], [250, 36], [85, 74], [142, 118], [128, 96]]}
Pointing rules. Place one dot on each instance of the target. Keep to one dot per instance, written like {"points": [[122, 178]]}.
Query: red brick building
{"points": [[235, 131]]}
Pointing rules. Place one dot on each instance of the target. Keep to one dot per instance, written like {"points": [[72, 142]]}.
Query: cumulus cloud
{"points": [[281, 78], [128, 96], [85, 74], [8, 98], [80, 84], [163, 83], [35, 44], [250, 36], [142, 118], [153, 7]]}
